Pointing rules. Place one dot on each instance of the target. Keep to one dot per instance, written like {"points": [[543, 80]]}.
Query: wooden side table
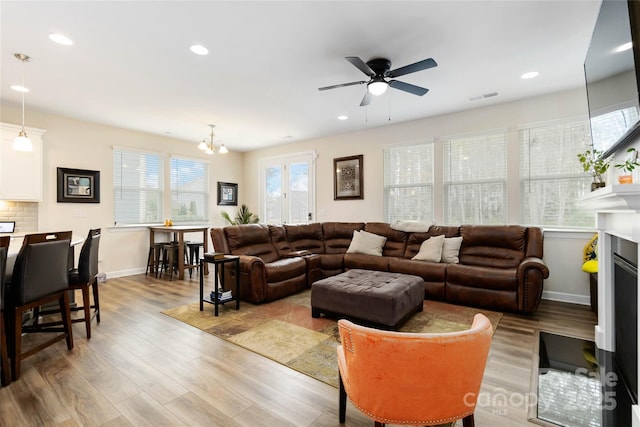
{"points": [[219, 281]]}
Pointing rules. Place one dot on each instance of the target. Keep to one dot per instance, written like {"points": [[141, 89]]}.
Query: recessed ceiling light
{"points": [[623, 47], [342, 117], [19, 88], [61, 39], [198, 49], [529, 75]]}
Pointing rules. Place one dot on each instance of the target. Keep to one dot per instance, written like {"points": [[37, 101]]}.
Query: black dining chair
{"points": [[40, 277], [85, 278], [5, 373]]}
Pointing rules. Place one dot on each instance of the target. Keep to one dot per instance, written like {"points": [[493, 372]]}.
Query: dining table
{"points": [[178, 236]]}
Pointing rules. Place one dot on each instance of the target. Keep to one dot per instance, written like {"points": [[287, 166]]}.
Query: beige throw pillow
{"points": [[450, 250], [430, 249], [366, 243]]}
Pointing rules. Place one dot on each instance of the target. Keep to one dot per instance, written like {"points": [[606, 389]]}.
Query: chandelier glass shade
{"points": [[210, 147]]}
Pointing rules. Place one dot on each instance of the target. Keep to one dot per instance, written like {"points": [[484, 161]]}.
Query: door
{"points": [[288, 189]]}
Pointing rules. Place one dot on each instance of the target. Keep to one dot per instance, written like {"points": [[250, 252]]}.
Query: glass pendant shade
{"points": [[22, 142], [223, 149]]}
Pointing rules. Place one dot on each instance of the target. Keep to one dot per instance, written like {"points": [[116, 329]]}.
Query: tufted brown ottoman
{"points": [[379, 298]]}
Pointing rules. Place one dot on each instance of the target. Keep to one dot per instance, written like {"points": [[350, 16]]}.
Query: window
{"points": [[408, 183], [475, 180], [551, 178], [137, 186], [288, 189], [189, 190]]}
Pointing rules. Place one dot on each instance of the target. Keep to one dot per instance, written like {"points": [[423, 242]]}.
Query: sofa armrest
{"points": [[531, 273], [253, 278]]}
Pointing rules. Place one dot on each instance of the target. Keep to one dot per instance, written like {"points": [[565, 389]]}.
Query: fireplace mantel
{"points": [[617, 210]]}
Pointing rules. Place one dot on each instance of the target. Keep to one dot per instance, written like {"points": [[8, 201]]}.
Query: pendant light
{"points": [[22, 141], [210, 148]]}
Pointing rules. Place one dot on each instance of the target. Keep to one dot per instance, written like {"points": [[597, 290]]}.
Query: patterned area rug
{"points": [[284, 330]]}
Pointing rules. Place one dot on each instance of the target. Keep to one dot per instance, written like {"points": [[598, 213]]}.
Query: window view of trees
{"points": [[189, 190], [137, 186], [475, 180]]}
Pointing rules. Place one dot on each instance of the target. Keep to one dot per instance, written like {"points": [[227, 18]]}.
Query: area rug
{"points": [[284, 330]]}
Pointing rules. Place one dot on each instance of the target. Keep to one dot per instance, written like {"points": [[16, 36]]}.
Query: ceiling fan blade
{"points": [[361, 65], [407, 87], [412, 68], [366, 100], [341, 85]]}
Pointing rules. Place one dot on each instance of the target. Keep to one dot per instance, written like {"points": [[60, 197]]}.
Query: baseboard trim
{"points": [[123, 273], [565, 297]]}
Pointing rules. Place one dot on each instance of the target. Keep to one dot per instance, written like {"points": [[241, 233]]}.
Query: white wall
{"points": [[77, 144], [566, 282]]}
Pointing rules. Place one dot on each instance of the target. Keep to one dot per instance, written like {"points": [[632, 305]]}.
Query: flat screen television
{"points": [[611, 72]]}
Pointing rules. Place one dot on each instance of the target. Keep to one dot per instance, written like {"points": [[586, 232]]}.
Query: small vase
{"points": [[596, 185], [625, 179]]}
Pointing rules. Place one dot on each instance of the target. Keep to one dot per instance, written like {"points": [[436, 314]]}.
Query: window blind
{"points": [[408, 183], [189, 190], [552, 180], [475, 180], [137, 187]]}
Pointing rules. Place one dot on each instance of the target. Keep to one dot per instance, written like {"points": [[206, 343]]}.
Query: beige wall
{"points": [[77, 144], [567, 282], [82, 145]]}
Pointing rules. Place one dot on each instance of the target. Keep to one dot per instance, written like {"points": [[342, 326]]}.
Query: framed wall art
{"points": [[78, 186], [227, 194], [348, 181]]}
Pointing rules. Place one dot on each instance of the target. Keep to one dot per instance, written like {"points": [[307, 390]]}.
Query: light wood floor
{"points": [[143, 368]]}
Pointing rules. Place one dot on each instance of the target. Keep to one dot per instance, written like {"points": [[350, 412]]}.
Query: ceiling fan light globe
{"points": [[377, 88]]}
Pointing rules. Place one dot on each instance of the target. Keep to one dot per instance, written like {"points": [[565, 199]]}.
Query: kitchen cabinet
{"points": [[20, 172]]}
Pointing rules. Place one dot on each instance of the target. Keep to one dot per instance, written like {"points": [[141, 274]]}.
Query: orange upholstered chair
{"points": [[413, 378]]}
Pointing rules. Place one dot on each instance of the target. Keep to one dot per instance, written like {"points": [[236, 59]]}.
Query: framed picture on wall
{"points": [[78, 186], [348, 180], [227, 194]]}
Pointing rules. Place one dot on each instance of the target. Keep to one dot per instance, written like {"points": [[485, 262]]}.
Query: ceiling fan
{"points": [[379, 70]]}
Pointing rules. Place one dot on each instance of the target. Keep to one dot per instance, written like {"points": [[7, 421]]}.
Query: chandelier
{"points": [[210, 147]]}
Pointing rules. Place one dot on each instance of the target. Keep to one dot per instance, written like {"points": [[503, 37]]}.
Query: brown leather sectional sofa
{"points": [[500, 267]]}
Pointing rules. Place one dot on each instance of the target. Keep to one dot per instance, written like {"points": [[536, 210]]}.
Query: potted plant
{"points": [[244, 216], [630, 163], [593, 163]]}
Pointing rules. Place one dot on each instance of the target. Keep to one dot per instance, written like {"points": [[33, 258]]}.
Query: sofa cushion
{"points": [[279, 239], [451, 249], [482, 277], [307, 237], [412, 226], [251, 239], [493, 246], [430, 250], [337, 235], [429, 271], [396, 243], [286, 268], [366, 243], [414, 240], [367, 262]]}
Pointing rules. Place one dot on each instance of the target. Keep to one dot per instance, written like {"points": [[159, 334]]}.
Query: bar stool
{"points": [[194, 254], [153, 259]]}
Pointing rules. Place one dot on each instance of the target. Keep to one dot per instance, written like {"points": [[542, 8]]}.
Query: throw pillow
{"points": [[430, 249], [450, 250], [366, 243]]}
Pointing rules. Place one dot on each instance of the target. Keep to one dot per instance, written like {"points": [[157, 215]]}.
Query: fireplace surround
{"points": [[618, 222]]}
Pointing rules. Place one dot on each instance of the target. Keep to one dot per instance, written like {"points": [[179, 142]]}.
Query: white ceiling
{"points": [[130, 64]]}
